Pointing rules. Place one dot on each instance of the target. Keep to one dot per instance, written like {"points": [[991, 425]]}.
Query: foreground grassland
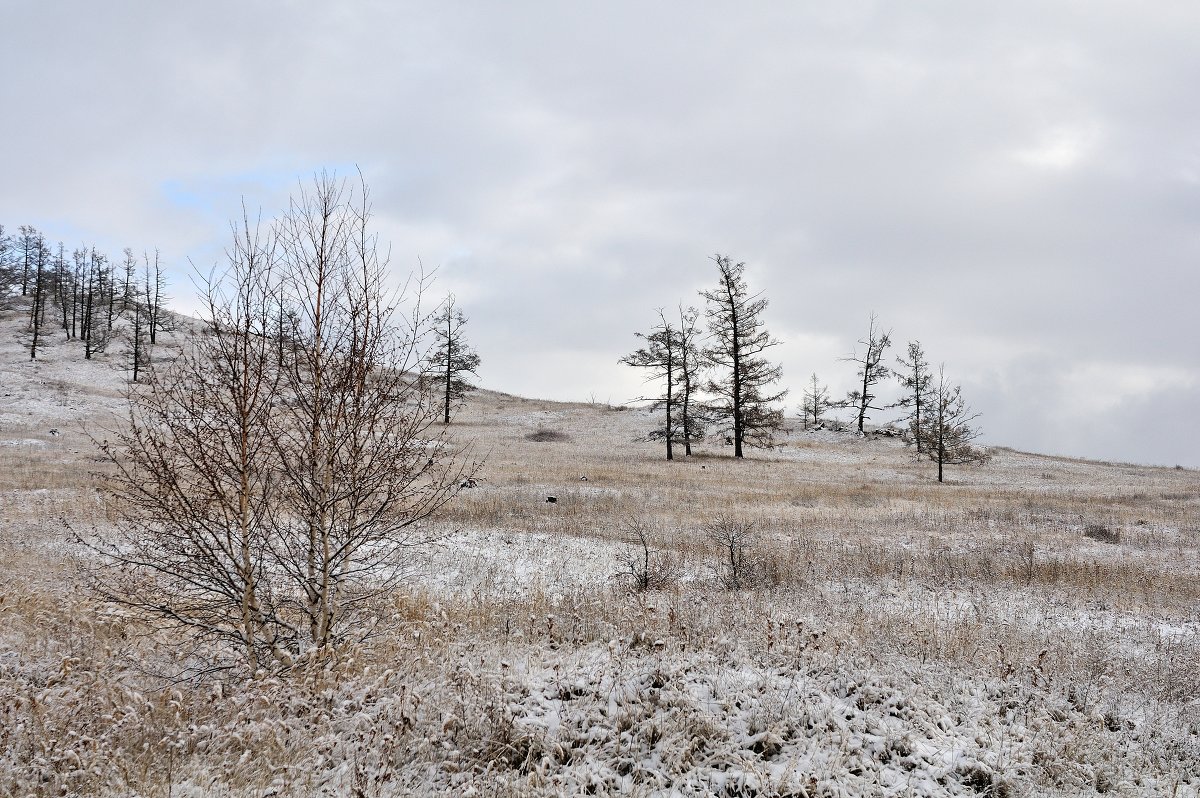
{"points": [[1028, 628]]}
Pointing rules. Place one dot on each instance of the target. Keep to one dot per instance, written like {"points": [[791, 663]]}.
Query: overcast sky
{"points": [[1015, 184]]}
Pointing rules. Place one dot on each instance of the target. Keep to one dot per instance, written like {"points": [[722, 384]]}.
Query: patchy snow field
{"points": [[1029, 628]]}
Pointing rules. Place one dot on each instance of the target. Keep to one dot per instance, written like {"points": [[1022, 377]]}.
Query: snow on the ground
{"points": [[522, 707]]}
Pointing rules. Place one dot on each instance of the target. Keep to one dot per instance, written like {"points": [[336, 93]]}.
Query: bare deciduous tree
{"points": [[362, 463], [198, 479], [271, 504], [870, 370], [739, 338]]}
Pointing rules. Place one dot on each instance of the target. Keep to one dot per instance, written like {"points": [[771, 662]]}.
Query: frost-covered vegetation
{"points": [[1028, 628]]}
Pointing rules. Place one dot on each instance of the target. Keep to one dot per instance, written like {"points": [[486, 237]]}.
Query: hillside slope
{"points": [[1029, 628]]}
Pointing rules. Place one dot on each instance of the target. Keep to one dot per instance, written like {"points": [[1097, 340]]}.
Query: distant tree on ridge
{"points": [[916, 379], [870, 370], [452, 357], [947, 433]]}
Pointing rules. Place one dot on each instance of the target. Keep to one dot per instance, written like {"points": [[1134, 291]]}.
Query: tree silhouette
{"points": [[738, 339]]}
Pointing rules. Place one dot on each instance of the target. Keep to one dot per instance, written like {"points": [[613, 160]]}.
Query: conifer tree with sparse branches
{"points": [[915, 377], [871, 372], [948, 432], [815, 402], [662, 357], [692, 362], [452, 358], [738, 339], [6, 271]]}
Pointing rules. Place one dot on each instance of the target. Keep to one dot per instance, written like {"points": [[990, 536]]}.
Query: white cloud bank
{"points": [[1012, 184]]}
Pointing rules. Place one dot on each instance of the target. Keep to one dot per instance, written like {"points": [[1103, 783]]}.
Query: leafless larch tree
{"points": [[871, 372], [947, 432]]}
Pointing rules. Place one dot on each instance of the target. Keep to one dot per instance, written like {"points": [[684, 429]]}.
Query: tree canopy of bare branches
{"points": [[273, 492]]}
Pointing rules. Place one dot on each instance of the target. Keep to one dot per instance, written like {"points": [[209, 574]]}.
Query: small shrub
{"points": [[544, 435], [1102, 533], [644, 567], [739, 564]]}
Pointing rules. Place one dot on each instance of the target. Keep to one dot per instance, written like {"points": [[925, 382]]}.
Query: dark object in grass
{"points": [[547, 436], [1102, 533]]}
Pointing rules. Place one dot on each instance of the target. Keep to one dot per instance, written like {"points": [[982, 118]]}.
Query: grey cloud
{"points": [[1016, 185]]}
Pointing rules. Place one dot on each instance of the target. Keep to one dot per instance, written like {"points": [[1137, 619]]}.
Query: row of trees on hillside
{"points": [[939, 423], [720, 378], [82, 295], [88, 297]]}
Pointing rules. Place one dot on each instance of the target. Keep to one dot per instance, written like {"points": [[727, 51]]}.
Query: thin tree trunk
{"points": [[39, 299], [862, 407], [917, 421], [449, 375], [670, 403], [941, 453], [737, 374], [687, 420]]}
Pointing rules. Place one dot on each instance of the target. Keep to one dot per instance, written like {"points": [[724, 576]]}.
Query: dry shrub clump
{"points": [[644, 564], [739, 560], [1102, 533], [545, 435]]}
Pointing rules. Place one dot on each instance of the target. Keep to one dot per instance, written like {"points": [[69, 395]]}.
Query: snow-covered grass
{"points": [[1032, 627]]}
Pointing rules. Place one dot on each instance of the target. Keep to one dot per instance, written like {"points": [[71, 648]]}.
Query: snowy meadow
{"points": [[820, 619]]}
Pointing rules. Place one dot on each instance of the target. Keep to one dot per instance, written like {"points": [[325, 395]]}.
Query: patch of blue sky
{"points": [[266, 187]]}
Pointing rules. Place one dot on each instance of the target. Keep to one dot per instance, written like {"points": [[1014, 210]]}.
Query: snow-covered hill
{"points": [[1029, 628]]}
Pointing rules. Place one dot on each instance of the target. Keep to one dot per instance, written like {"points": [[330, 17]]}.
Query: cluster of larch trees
{"points": [[715, 376], [720, 378], [939, 423], [83, 295]]}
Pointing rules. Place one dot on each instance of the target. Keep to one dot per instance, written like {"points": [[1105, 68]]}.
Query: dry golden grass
{"points": [[860, 559], [992, 571]]}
